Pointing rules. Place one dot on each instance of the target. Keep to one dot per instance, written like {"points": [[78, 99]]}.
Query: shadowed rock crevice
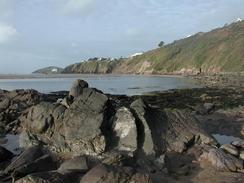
{"points": [[105, 127]]}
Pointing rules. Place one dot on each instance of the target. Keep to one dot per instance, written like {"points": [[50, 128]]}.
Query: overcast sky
{"points": [[40, 33]]}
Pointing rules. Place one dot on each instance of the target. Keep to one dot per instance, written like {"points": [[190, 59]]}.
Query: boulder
{"points": [[242, 155], [238, 144], [208, 107], [45, 177], [178, 164], [182, 130], [230, 149], [78, 163], [33, 159], [42, 116], [125, 131], [27, 139], [13, 104], [83, 122], [77, 88], [109, 174], [168, 130], [222, 161], [77, 129]]}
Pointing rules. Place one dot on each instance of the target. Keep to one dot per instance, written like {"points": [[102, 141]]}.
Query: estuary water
{"points": [[113, 84]]}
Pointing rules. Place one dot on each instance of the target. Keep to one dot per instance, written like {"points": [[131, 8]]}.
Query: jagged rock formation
{"points": [[95, 137], [13, 104], [80, 128]]}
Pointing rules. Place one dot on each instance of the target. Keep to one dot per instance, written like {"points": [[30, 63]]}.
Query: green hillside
{"points": [[220, 50], [92, 66]]}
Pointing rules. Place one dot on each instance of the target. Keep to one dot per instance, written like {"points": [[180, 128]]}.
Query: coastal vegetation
{"points": [[218, 51]]}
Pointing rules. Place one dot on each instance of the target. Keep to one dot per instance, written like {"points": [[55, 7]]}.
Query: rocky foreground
{"points": [[86, 136]]}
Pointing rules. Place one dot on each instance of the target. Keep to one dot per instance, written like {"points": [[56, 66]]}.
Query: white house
{"points": [[54, 70], [135, 54]]}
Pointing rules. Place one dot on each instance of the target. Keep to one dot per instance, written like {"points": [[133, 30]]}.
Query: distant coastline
{"points": [[41, 76]]}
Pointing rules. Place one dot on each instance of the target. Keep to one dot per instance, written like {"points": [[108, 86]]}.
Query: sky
{"points": [[40, 33]]}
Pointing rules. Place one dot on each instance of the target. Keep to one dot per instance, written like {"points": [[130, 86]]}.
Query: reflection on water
{"points": [[10, 142], [114, 84], [224, 139]]}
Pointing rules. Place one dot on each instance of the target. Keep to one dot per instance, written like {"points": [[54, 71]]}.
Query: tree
{"points": [[161, 44]]}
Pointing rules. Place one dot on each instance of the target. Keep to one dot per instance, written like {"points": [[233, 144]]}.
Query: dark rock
{"points": [[13, 104], [168, 130], [5, 154], [77, 88], [178, 164], [76, 129], [183, 130], [33, 159], [83, 121], [41, 117], [222, 161], [109, 174]]}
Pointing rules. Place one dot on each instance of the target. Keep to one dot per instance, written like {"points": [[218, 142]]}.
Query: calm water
{"points": [[114, 84]]}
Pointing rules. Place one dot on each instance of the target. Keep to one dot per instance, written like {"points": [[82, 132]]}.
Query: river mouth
{"points": [[225, 139], [11, 143]]}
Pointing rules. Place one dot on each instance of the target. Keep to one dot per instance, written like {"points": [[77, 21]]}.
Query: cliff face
{"points": [[220, 50], [92, 66]]}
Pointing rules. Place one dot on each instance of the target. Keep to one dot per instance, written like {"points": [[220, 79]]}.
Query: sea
{"points": [[113, 84]]}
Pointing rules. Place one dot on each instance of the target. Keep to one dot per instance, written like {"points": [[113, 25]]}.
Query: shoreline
{"points": [[47, 76], [73, 75]]}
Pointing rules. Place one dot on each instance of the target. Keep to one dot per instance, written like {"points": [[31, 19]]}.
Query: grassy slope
{"points": [[221, 50], [92, 66]]}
